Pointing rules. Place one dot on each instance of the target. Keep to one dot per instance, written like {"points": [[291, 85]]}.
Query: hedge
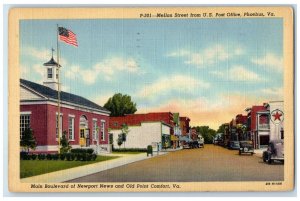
{"points": [[65, 156], [79, 151]]}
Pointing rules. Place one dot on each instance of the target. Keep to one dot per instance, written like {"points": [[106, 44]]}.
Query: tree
{"points": [[207, 133], [125, 131], [221, 129], [28, 140], [120, 140], [64, 143], [120, 104]]}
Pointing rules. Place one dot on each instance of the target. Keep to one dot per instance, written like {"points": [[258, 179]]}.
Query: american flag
{"points": [[67, 36]]}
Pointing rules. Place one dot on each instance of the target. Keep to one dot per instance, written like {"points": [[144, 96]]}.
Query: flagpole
{"points": [[58, 90]]}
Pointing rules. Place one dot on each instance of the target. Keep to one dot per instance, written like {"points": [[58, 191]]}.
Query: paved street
{"points": [[212, 163]]}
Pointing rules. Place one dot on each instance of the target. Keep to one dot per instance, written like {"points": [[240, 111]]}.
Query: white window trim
{"points": [[25, 113], [73, 117], [102, 121], [49, 78], [61, 115], [94, 136]]}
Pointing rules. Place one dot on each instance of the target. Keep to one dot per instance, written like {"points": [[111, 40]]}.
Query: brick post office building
{"points": [[86, 123]]}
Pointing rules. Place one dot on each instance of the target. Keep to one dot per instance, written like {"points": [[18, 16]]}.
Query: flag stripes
{"points": [[67, 36]]}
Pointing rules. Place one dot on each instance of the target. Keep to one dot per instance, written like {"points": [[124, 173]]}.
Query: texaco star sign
{"points": [[277, 116]]}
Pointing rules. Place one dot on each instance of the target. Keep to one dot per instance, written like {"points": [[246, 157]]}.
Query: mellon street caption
{"points": [[105, 186], [207, 15]]}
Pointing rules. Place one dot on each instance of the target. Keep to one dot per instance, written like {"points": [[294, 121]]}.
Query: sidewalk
{"points": [[171, 149], [72, 173]]}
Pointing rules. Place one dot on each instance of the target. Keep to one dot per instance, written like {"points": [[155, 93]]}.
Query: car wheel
{"points": [[251, 153], [269, 161], [265, 156], [240, 152]]}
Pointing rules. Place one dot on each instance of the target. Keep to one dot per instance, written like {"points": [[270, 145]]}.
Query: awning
{"points": [[174, 138]]}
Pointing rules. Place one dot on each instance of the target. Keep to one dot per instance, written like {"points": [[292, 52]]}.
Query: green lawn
{"points": [[36, 167]]}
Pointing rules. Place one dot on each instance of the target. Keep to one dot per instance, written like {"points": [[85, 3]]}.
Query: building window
{"points": [[49, 73], [71, 128], [24, 123], [60, 126], [94, 129], [102, 130]]}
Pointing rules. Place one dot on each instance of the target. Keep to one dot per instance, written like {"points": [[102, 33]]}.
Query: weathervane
{"points": [[52, 51]]}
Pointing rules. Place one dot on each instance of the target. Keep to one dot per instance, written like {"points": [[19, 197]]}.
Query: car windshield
{"points": [[246, 144]]}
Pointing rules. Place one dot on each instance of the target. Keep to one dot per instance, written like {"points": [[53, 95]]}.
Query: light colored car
{"points": [[201, 141], [218, 139], [275, 151]]}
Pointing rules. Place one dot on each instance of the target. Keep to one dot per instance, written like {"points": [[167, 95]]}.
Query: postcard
{"points": [[151, 99]]}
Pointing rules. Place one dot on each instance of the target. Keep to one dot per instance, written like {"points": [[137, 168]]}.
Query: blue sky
{"points": [[207, 69]]}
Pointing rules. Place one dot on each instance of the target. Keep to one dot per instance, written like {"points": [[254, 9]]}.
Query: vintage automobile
{"points": [[274, 152], [217, 139], [190, 144], [246, 147], [201, 141], [234, 145]]}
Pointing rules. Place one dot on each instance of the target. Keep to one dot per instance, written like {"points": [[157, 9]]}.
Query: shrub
{"points": [[79, 150], [49, 157], [83, 156], [64, 142], [62, 157], [89, 151], [70, 156], [94, 156], [23, 155], [77, 156], [55, 157], [41, 156], [33, 156]]}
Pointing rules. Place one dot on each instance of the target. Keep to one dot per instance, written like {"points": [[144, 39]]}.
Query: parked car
{"points": [[246, 147], [234, 145], [201, 141], [215, 141], [275, 151], [218, 139], [191, 144]]}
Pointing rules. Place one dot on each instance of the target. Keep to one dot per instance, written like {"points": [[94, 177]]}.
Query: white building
{"points": [[140, 136]]}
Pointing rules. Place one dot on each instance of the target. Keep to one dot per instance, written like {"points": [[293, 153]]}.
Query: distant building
{"points": [[144, 129], [177, 131], [258, 125], [185, 125], [241, 127], [193, 134], [84, 122]]}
